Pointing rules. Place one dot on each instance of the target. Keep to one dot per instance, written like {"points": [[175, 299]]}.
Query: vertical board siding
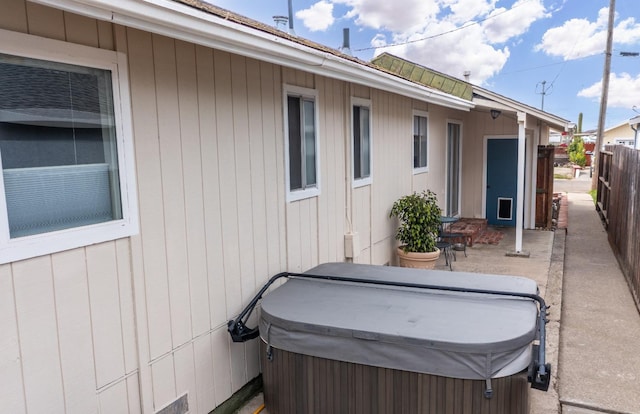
{"points": [[114, 400], [105, 312], [186, 378], [11, 385], [44, 21], [480, 125], [38, 335], [229, 204], [273, 176], [106, 35], [133, 394], [211, 186], [272, 133], [257, 188], [227, 173], [148, 170], [193, 188], [73, 313], [127, 316], [257, 197], [60, 339], [164, 384], [330, 210], [243, 196], [172, 187], [80, 29], [203, 363], [14, 16], [220, 348], [392, 168]]}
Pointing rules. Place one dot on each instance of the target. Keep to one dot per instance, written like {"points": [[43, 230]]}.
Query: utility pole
{"points": [[544, 91], [605, 93]]}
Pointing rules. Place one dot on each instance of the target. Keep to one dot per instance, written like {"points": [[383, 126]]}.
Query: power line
{"points": [[443, 33], [545, 66]]}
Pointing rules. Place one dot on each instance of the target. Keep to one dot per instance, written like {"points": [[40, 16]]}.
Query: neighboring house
{"points": [[634, 124], [621, 134], [191, 155], [498, 151]]}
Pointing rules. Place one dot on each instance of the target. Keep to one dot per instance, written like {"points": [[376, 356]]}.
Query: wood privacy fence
{"points": [[619, 207]]}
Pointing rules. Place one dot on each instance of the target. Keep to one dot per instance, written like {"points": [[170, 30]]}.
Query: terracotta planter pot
{"points": [[418, 260]]}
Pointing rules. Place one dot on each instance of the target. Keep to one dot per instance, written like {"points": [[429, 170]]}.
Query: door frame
{"points": [[485, 145], [459, 172]]}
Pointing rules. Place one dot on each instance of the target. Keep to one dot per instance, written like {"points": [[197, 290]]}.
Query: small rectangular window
{"points": [[66, 148], [302, 143], [57, 140], [420, 142], [361, 125]]}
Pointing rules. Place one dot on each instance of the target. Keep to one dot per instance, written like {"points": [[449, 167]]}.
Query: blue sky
{"points": [[509, 46]]}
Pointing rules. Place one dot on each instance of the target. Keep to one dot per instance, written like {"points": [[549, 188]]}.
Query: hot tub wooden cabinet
{"points": [[296, 383], [347, 338]]}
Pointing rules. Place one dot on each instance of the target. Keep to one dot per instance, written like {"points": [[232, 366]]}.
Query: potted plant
{"points": [[419, 217]]}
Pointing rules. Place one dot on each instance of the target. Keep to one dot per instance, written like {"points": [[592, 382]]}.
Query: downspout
{"points": [[522, 118]]}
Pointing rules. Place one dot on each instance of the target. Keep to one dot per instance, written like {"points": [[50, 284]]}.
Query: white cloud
{"points": [[398, 16], [454, 53], [450, 42], [627, 32], [578, 38], [463, 11], [624, 90], [318, 17], [514, 22], [379, 40]]}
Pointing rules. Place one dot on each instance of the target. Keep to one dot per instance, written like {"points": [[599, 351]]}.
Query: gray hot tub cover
{"points": [[451, 334]]}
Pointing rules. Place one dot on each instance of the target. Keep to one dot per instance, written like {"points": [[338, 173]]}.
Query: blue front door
{"points": [[502, 181]]}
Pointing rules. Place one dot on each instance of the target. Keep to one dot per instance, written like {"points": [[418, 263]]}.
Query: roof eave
{"points": [[186, 23], [552, 120]]}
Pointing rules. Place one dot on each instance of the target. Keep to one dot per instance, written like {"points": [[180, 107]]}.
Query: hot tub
{"points": [[347, 338]]}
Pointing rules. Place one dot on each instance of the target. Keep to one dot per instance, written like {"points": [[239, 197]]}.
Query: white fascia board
{"points": [[186, 23], [487, 103], [516, 106], [634, 121]]}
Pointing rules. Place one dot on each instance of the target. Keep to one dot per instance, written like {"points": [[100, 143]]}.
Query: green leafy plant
{"points": [[419, 217], [576, 152]]}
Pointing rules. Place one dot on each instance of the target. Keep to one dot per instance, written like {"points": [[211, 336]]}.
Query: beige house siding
{"points": [[68, 318], [622, 131], [478, 125], [214, 226]]}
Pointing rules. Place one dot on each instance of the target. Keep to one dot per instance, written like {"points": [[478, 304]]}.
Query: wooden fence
{"points": [[619, 207]]}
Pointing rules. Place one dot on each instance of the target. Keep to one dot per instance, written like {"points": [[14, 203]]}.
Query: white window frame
{"points": [[290, 90], [423, 114], [360, 182], [459, 172], [35, 47]]}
